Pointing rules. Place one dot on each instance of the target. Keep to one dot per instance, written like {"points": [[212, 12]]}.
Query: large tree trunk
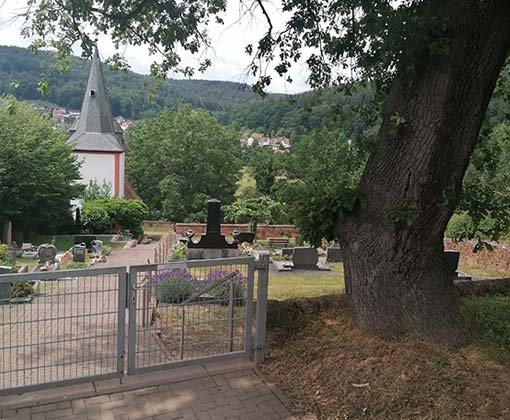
{"points": [[396, 279]]}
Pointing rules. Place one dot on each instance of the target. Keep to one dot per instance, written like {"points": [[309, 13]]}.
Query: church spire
{"points": [[96, 114], [96, 129]]}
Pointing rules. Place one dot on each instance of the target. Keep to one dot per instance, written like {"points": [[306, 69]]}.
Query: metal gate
{"points": [[73, 327], [191, 310], [71, 330]]}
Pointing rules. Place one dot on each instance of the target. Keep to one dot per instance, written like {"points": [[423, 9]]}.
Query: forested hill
{"points": [[133, 97], [128, 91]]}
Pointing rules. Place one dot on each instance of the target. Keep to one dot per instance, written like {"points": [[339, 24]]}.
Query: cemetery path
{"points": [[67, 332], [139, 255]]}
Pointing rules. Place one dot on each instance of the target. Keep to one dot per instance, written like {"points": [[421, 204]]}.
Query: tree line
{"points": [[29, 76]]}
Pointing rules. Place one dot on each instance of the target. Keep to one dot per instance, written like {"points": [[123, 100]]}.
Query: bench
{"points": [[279, 242]]}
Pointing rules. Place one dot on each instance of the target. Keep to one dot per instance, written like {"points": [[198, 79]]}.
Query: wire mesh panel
{"points": [[71, 329], [189, 310]]}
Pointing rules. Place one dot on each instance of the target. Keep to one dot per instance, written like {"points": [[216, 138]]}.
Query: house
{"points": [[97, 138]]}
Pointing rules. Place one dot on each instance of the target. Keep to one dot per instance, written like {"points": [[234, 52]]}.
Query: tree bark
{"points": [[396, 279]]}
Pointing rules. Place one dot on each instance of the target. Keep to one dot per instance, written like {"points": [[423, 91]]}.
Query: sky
{"points": [[228, 42]]}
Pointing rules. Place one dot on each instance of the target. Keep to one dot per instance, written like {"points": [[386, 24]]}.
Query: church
{"points": [[97, 139]]}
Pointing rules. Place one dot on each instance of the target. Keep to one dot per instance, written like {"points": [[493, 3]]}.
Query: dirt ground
{"points": [[331, 370]]}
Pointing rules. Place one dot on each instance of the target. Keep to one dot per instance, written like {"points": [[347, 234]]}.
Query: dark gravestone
{"points": [[287, 252], [84, 239], [245, 237], [77, 221], [46, 254], [79, 253], [213, 239], [305, 258], [452, 262], [213, 218], [334, 254], [5, 288]]}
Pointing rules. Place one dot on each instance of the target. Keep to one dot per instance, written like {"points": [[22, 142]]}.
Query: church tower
{"points": [[97, 139]]}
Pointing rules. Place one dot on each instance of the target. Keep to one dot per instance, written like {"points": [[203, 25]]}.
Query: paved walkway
{"points": [[242, 394], [139, 255], [70, 330]]}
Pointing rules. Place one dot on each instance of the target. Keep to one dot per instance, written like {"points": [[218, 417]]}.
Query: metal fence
{"points": [[74, 327], [163, 250], [184, 311], [71, 329]]}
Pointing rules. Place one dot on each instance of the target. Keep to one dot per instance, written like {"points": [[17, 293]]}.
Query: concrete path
{"points": [[220, 392], [126, 257]]}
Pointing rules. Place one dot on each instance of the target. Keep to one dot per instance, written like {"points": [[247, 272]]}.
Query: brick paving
{"points": [[235, 395], [70, 331]]}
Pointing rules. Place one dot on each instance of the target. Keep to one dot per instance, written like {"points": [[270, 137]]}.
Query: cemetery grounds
{"points": [[345, 373]]}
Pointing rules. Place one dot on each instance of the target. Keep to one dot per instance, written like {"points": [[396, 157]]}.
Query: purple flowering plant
{"points": [[221, 292], [173, 286]]}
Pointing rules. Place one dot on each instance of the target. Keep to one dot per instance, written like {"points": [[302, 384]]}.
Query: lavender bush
{"points": [[173, 286], [221, 292]]}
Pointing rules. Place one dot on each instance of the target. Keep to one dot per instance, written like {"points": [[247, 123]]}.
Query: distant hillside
{"points": [[232, 103], [128, 90]]}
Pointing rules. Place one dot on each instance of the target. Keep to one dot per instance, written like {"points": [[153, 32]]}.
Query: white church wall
{"points": [[97, 167], [122, 175]]}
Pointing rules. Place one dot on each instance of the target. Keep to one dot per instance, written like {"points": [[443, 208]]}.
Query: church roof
{"points": [[95, 129]]}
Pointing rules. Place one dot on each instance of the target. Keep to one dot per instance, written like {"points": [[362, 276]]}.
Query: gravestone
{"points": [[79, 251], [244, 237], [97, 247], [5, 288], [452, 262], [46, 254], [287, 252], [84, 239], [305, 258], [213, 244], [334, 254]]}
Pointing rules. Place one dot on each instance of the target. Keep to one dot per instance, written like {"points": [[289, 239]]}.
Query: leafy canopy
{"points": [[179, 160], [38, 173], [375, 37], [322, 182], [484, 208], [98, 215]]}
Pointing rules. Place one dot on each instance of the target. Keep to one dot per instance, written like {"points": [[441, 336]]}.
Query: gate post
{"points": [[261, 315], [131, 355]]}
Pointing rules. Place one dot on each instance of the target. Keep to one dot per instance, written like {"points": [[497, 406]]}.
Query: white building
{"points": [[97, 138]]}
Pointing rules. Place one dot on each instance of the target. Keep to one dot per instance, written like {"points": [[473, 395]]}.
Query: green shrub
{"points": [[4, 255], [179, 252], [97, 215], [21, 289], [106, 249], [129, 213], [173, 286], [222, 291], [74, 265], [460, 227]]}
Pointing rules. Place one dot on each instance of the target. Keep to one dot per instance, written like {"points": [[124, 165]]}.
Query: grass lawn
{"points": [[477, 270], [490, 318], [148, 230], [31, 262], [305, 283]]}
